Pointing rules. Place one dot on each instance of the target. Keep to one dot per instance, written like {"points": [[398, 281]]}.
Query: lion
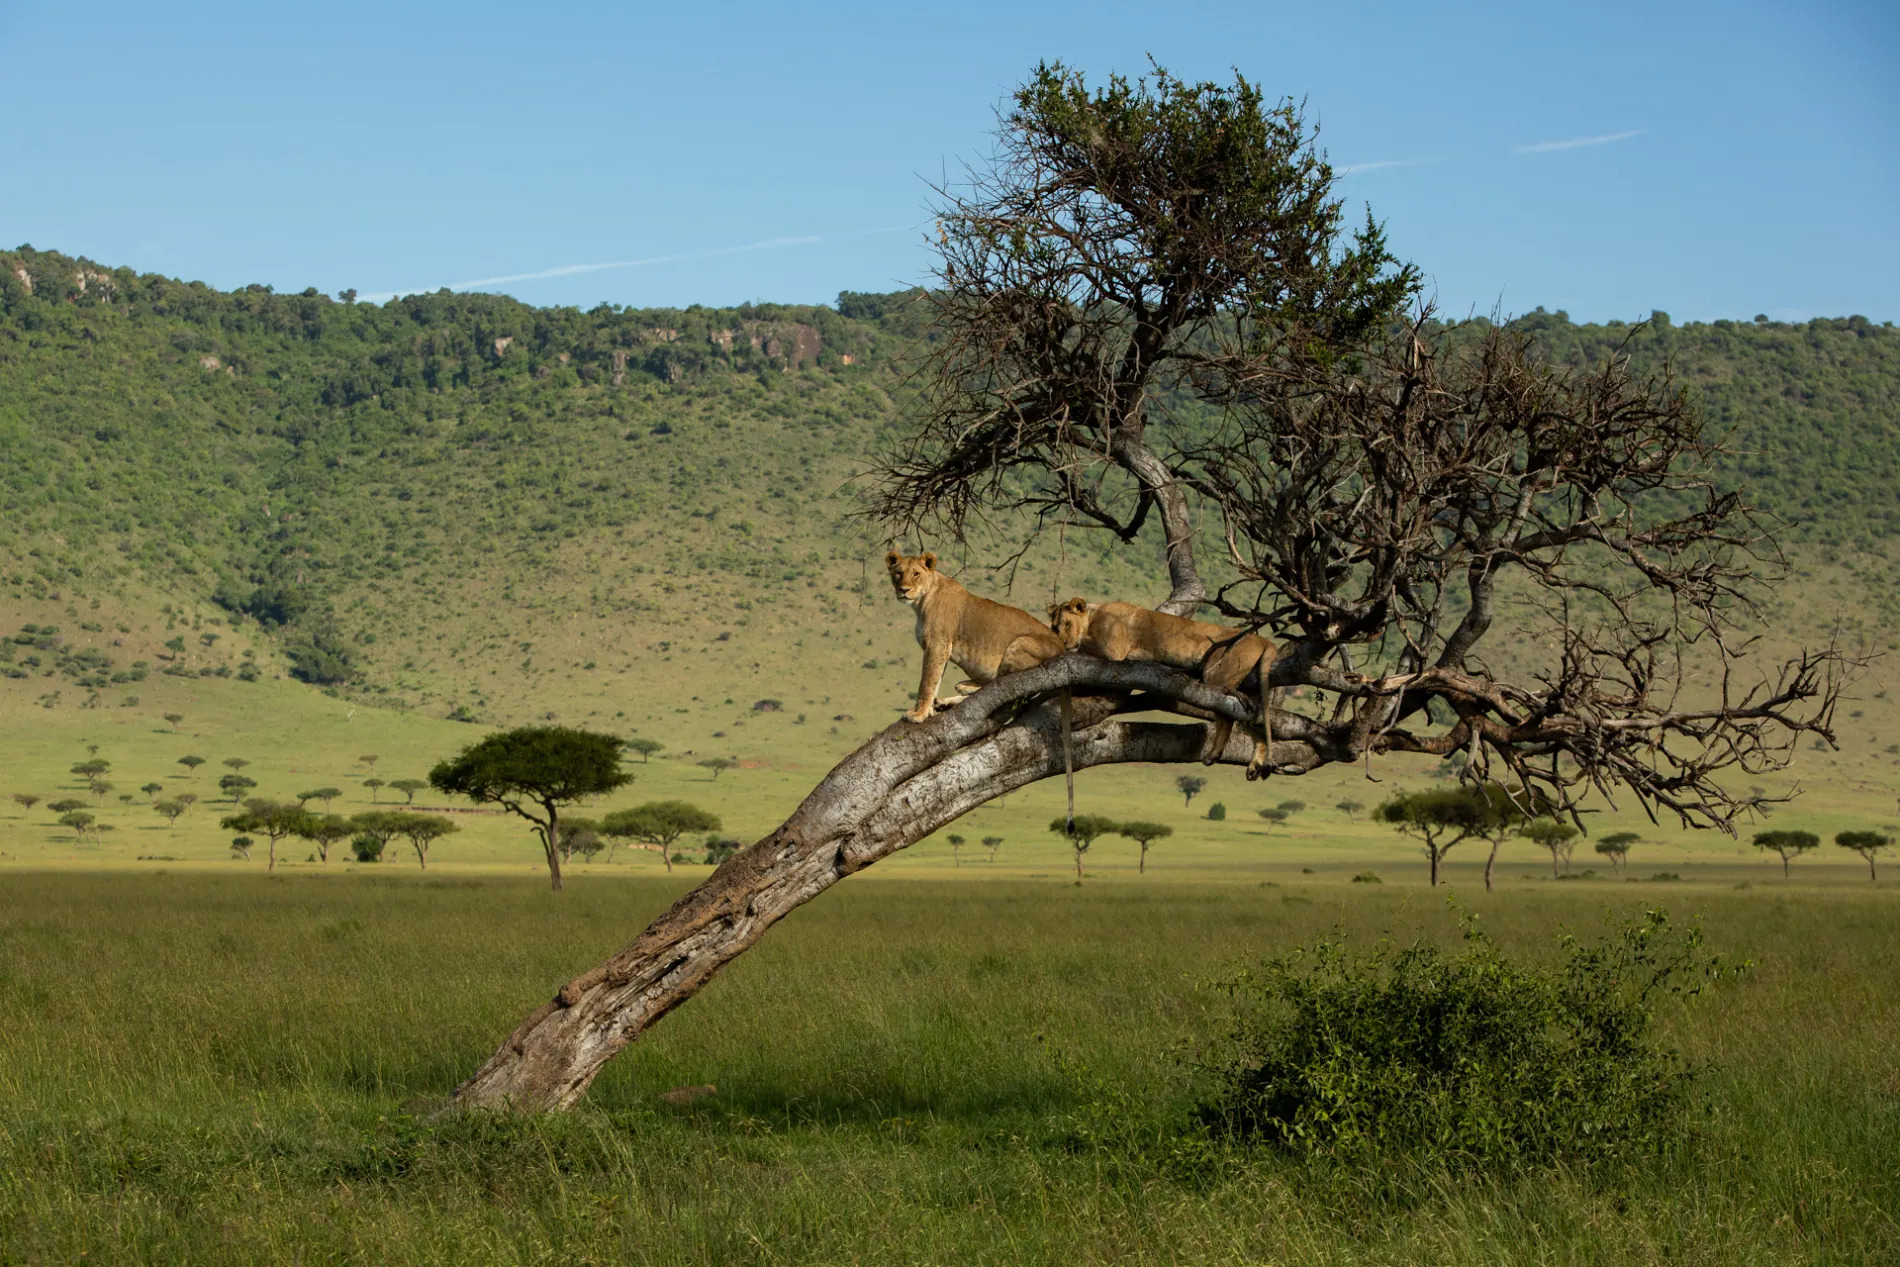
{"points": [[1225, 658], [985, 639]]}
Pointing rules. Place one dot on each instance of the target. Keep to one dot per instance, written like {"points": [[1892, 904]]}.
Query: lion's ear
{"points": [[890, 560], [1076, 605], [930, 560]]}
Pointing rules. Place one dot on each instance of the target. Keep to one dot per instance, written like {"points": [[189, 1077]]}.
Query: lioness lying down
{"points": [[1226, 659], [985, 639]]}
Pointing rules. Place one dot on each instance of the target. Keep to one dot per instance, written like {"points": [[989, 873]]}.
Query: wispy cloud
{"points": [[675, 257], [1577, 142], [1351, 169]]}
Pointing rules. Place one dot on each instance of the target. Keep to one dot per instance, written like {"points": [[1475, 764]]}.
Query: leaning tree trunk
{"points": [[902, 785]]}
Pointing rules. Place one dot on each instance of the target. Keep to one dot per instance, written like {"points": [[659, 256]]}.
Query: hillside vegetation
{"points": [[496, 512]]}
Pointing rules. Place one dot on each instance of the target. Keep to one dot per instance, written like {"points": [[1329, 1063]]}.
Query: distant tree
{"points": [[367, 848], [26, 800], [1866, 844], [657, 824], [324, 794], [992, 843], [1217, 812], [579, 836], [423, 830], [93, 771], [956, 849], [1274, 816], [236, 785], [375, 787], [1081, 834], [237, 763], [272, 820], [369, 759], [1189, 785], [66, 805], [191, 763], [126, 798], [1616, 847], [174, 719], [1441, 818], [1292, 807], [379, 825], [534, 772], [409, 788], [99, 789], [170, 809], [718, 765], [323, 831], [79, 820], [1789, 844], [241, 847], [645, 747], [720, 848], [304, 798], [176, 646], [152, 789], [1144, 834], [187, 799], [1560, 838], [1351, 809]]}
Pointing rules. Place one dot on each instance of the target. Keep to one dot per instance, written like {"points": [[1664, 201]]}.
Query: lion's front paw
{"points": [[915, 716], [1258, 770]]}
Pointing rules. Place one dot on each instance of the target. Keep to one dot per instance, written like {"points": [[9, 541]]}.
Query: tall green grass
{"points": [[229, 1068]]}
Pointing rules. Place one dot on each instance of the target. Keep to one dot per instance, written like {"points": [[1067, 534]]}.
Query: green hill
{"points": [[487, 510]]}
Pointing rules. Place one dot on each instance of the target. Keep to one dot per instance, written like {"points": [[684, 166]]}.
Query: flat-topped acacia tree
{"points": [[535, 772], [1153, 322]]}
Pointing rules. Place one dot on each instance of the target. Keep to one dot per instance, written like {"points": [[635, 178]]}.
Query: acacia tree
{"points": [[657, 824], [423, 830], [1081, 831], [1866, 844], [1150, 313], [644, 746], [323, 831], [992, 843], [270, 819], [534, 772], [956, 848], [1558, 837], [409, 788], [1189, 786], [1789, 844], [1144, 834], [1616, 847], [1441, 819]]}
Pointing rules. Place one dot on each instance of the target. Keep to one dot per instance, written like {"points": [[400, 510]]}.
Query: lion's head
{"points": [[1070, 621], [912, 575]]}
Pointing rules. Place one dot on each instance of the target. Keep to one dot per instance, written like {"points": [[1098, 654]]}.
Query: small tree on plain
{"points": [[1217, 812], [272, 820], [657, 824], [409, 788], [718, 765], [1274, 816], [152, 789], [580, 836], [1559, 838], [187, 799], [93, 771], [191, 763], [1291, 807], [379, 825], [324, 794], [992, 843], [66, 805], [1616, 847], [370, 759], [1351, 809], [171, 810], [241, 847], [1866, 844], [367, 847], [79, 820], [375, 787], [1789, 844], [534, 772], [645, 747], [956, 848], [174, 719], [237, 763], [1081, 834], [423, 830], [235, 786], [1144, 834], [1440, 818], [1189, 785], [25, 800], [323, 831]]}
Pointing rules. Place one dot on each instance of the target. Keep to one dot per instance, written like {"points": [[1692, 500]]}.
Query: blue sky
{"points": [[1710, 160]]}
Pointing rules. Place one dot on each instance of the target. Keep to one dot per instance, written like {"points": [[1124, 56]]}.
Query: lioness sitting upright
{"points": [[1225, 658], [986, 639]]}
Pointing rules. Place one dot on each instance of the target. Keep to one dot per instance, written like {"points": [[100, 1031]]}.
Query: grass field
{"points": [[227, 1068]]}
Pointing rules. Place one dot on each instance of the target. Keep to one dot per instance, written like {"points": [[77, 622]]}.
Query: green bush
{"points": [[1217, 812], [366, 848], [1467, 1058]]}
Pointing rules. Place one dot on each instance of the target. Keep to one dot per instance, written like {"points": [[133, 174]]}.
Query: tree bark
{"points": [[902, 785], [1489, 863], [550, 835]]}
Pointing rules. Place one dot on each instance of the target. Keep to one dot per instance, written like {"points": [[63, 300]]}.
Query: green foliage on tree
{"points": [[171, 810], [644, 746], [26, 800], [1865, 843], [1351, 809], [1788, 844], [535, 772], [718, 765], [1143, 834], [1081, 833], [191, 763], [1441, 818], [992, 843], [272, 820], [1217, 812], [409, 788], [235, 786], [1189, 785], [1616, 847], [657, 824], [323, 831], [1557, 837]]}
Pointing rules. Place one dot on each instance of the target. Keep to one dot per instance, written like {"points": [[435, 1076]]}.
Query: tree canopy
{"points": [[533, 772]]}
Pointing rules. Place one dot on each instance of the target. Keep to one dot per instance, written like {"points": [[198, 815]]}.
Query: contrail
{"points": [[1577, 143], [569, 270], [1352, 168]]}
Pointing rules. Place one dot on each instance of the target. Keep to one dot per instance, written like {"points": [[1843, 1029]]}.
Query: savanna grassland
{"points": [[231, 1068], [303, 533]]}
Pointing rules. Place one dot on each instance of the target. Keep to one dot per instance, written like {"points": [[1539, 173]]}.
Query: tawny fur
{"points": [[985, 639], [1226, 659]]}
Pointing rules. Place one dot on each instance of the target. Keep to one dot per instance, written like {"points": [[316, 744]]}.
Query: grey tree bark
{"points": [[899, 787]]}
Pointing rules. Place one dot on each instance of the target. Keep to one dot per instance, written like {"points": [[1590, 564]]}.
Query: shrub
{"points": [[1367, 877], [1217, 812], [1466, 1058], [367, 848]]}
